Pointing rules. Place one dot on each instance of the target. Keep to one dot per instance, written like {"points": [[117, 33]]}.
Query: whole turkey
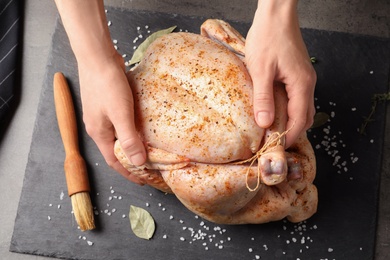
{"points": [[194, 112]]}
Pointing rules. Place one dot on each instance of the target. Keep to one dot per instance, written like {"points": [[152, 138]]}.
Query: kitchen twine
{"points": [[273, 140]]}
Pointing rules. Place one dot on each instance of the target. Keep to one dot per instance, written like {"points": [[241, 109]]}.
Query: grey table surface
{"points": [[367, 17]]}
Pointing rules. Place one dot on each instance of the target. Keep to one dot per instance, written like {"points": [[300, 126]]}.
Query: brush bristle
{"points": [[82, 209]]}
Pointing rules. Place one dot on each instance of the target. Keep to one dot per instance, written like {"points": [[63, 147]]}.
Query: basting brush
{"points": [[74, 165]]}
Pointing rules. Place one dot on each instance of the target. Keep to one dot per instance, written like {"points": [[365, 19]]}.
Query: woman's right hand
{"points": [[108, 111]]}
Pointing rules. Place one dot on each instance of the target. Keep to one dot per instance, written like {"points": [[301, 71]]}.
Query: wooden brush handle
{"points": [[74, 165]]}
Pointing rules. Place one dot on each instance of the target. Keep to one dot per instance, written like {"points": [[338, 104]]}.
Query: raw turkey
{"points": [[194, 112]]}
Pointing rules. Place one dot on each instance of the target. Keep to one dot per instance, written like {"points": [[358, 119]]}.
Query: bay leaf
{"points": [[141, 222], [320, 119], [140, 51]]}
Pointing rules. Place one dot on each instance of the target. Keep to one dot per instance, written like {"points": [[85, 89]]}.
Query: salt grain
{"points": [[330, 250], [90, 243]]}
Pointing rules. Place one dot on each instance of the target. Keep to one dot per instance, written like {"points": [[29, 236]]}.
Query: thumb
{"points": [[263, 100], [131, 143], [133, 148]]}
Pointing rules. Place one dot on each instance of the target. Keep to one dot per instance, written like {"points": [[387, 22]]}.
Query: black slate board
{"points": [[350, 70]]}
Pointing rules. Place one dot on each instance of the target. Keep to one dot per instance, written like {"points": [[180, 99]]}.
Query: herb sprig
{"points": [[376, 98]]}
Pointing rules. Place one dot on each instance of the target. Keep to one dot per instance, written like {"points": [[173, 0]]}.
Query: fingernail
{"points": [[137, 159], [263, 118]]}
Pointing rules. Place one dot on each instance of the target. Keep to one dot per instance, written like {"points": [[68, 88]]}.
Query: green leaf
{"points": [[320, 119], [140, 51], [141, 222]]}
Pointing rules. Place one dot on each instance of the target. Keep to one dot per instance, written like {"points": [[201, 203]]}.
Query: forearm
{"points": [[277, 6], [86, 26], [278, 12]]}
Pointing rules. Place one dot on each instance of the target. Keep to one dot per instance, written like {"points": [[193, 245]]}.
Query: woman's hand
{"points": [[108, 111], [275, 52], [106, 96]]}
